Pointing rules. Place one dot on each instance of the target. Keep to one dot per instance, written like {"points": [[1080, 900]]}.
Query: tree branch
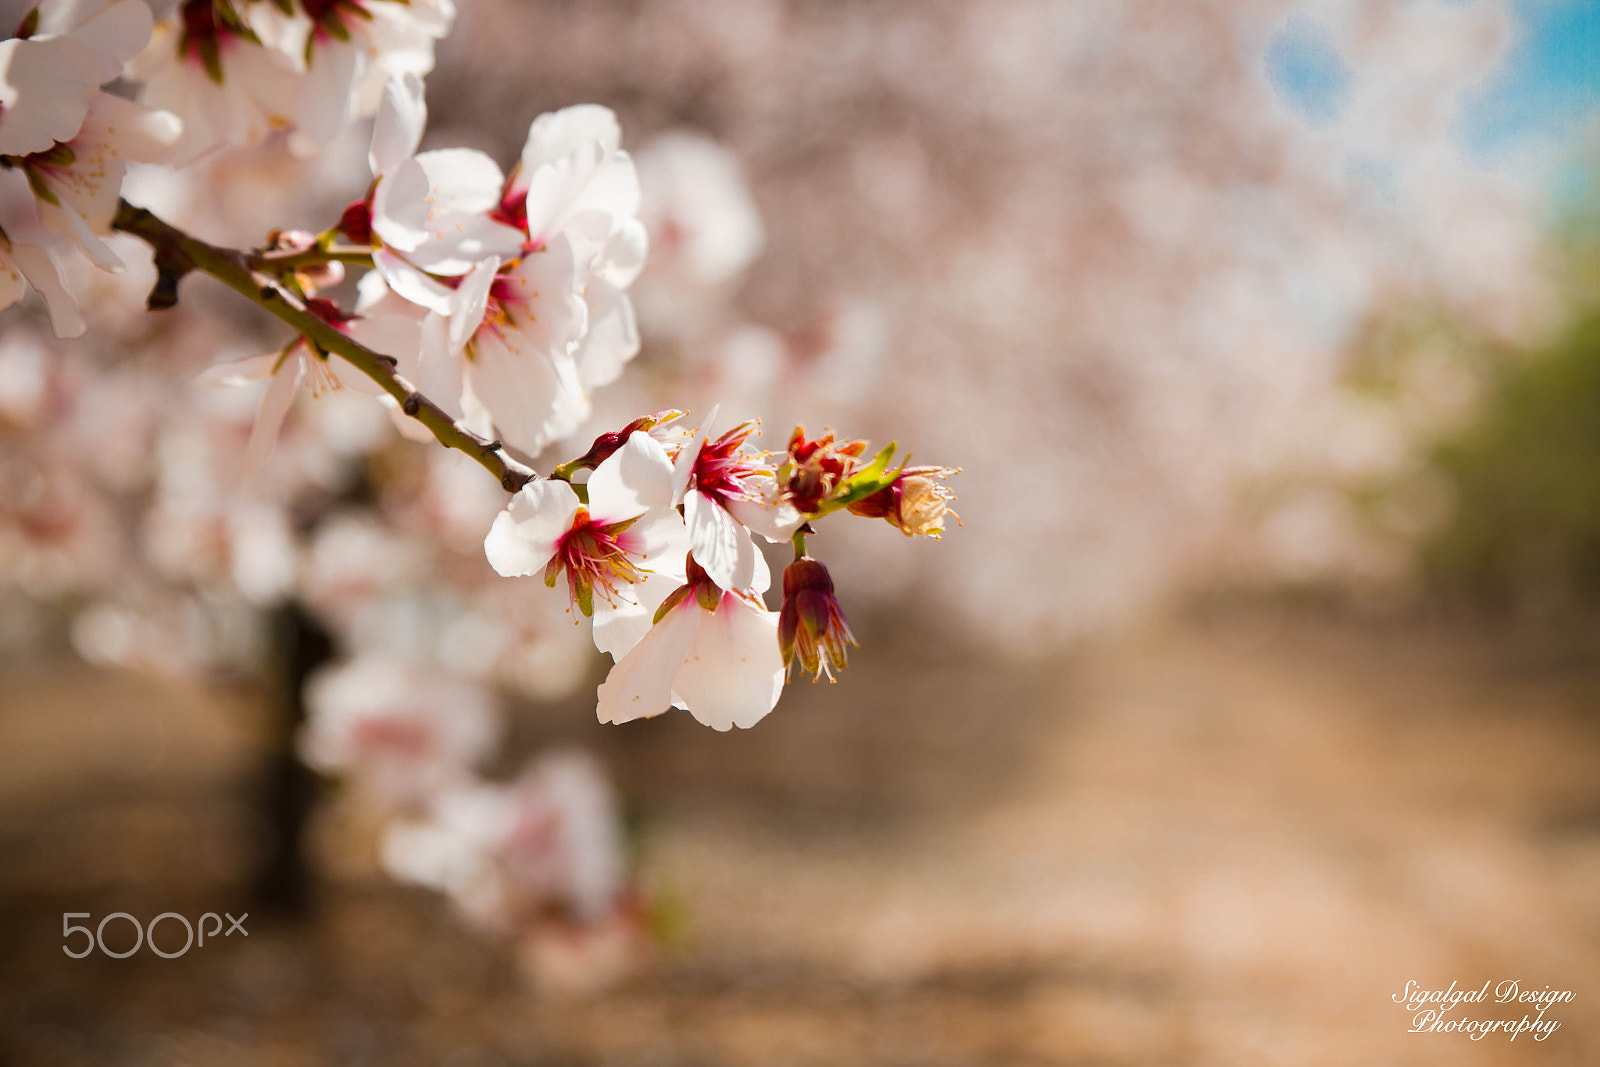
{"points": [[176, 254]]}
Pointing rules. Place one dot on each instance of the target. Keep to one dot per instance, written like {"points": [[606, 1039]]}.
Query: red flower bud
{"points": [[356, 222], [816, 468], [607, 443], [811, 625]]}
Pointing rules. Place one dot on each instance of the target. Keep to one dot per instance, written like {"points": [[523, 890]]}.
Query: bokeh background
{"points": [[1259, 680]]}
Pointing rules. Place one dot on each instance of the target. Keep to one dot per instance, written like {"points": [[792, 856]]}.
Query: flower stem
{"points": [[177, 254], [279, 263]]}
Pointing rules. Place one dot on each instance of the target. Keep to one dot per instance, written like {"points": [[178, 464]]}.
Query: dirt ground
{"points": [[1227, 841]]}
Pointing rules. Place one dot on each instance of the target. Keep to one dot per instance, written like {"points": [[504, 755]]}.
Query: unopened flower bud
{"points": [[811, 625], [311, 277], [607, 443], [816, 468], [356, 222], [917, 501]]}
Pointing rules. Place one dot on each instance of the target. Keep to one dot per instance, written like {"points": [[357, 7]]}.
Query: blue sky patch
{"points": [[1306, 70]]}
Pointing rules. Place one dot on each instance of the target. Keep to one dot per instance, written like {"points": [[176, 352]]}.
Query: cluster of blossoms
{"points": [[490, 307], [660, 549], [65, 144]]}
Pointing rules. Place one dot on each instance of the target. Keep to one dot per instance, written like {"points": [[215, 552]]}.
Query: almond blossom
{"points": [[63, 146], [54, 64], [428, 214], [712, 651], [299, 362], [529, 271], [239, 72], [574, 177], [728, 492], [404, 732], [622, 550], [916, 502], [508, 854]]}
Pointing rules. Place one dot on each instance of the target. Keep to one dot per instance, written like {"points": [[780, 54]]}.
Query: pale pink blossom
{"points": [[402, 731], [712, 652], [429, 213], [507, 855], [49, 78], [622, 552], [237, 82], [283, 371], [728, 492]]}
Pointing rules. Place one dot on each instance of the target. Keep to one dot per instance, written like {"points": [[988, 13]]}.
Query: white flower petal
{"points": [[39, 267], [113, 35], [641, 683], [461, 180], [733, 673], [771, 518], [532, 396], [397, 131], [660, 541], [457, 243], [274, 406], [634, 479], [557, 134], [468, 303], [251, 370], [400, 206], [612, 339], [525, 535], [411, 284], [621, 624], [722, 546], [45, 88]]}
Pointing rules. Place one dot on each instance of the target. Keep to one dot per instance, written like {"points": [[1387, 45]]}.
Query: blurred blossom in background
{"points": [[1256, 303]]}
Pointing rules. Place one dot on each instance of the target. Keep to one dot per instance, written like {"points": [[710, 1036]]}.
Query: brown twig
{"points": [[177, 254]]}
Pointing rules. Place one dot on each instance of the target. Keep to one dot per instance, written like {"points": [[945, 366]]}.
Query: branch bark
{"points": [[177, 253]]}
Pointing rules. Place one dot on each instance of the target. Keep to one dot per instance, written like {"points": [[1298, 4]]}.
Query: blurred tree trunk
{"points": [[287, 788]]}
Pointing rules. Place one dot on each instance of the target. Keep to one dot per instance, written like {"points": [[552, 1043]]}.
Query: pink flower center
{"points": [[592, 554], [723, 471]]}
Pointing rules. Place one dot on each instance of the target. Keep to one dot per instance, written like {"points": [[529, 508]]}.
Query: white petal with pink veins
{"points": [[733, 673], [525, 535], [641, 683]]}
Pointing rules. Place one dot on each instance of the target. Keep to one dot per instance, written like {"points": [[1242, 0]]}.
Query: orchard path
{"points": [[1203, 843]]}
